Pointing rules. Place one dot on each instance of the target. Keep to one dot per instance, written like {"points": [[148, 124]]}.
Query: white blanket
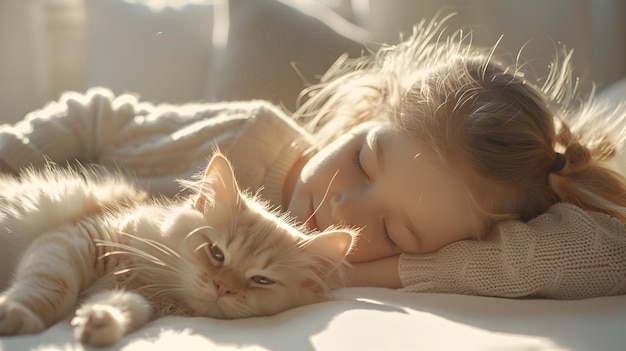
{"points": [[381, 319]]}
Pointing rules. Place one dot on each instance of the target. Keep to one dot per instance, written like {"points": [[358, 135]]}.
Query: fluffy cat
{"points": [[69, 237]]}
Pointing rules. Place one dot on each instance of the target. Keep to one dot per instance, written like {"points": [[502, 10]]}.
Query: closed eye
{"points": [[356, 160], [387, 237]]}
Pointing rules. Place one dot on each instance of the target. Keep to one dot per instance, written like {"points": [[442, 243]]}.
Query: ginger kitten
{"points": [[98, 242]]}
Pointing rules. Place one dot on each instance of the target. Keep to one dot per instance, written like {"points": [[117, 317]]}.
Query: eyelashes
{"points": [[387, 237], [356, 160]]}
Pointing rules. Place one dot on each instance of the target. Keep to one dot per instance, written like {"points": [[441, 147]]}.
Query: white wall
{"points": [[595, 29], [41, 52], [17, 73], [43, 49]]}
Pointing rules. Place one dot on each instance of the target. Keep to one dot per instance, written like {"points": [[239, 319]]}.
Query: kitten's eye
{"points": [[262, 280], [216, 252]]}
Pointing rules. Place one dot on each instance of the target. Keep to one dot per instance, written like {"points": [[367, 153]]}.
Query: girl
{"points": [[464, 175]]}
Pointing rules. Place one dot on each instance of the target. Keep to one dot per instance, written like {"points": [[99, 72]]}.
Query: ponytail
{"points": [[579, 178]]}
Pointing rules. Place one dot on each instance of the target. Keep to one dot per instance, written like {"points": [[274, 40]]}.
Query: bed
{"points": [[381, 319]]}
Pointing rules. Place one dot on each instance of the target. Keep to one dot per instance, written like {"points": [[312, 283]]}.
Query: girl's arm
{"points": [[566, 253], [380, 273]]}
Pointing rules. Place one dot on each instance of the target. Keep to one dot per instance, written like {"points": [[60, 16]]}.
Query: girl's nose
{"points": [[337, 206], [350, 208]]}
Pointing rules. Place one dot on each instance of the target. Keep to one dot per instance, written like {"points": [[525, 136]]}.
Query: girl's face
{"points": [[381, 181]]}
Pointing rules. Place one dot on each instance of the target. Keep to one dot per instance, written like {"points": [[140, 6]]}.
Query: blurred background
{"points": [[204, 50]]}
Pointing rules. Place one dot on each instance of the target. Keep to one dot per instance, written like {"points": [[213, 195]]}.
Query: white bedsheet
{"points": [[381, 319]]}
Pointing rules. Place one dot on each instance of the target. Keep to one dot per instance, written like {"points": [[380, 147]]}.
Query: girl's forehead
{"points": [[379, 128], [403, 154], [387, 132]]}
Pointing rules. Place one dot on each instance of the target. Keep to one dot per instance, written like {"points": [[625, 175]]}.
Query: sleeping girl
{"points": [[462, 172]]}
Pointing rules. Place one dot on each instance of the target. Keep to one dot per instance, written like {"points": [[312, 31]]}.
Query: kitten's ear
{"points": [[218, 184], [330, 249]]}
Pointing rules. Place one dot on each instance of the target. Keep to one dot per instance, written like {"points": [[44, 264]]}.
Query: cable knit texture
{"points": [[155, 145], [566, 253]]}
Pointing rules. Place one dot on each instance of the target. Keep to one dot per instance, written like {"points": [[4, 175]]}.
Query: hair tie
{"points": [[559, 163]]}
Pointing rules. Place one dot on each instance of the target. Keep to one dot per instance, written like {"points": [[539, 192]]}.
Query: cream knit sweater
{"points": [[155, 145], [566, 253]]}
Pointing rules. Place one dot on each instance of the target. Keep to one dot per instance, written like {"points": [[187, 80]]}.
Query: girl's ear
{"points": [[218, 185], [329, 249]]}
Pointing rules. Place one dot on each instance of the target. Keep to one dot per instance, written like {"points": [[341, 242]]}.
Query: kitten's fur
{"points": [[218, 253]]}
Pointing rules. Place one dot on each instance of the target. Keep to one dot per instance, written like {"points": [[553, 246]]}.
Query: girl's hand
{"points": [[381, 273]]}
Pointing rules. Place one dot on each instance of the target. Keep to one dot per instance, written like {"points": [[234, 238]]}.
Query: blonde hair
{"points": [[519, 144]]}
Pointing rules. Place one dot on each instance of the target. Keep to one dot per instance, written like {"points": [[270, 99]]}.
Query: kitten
{"points": [[220, 253]]}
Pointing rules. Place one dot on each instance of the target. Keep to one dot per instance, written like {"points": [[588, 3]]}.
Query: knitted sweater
{"points": [[566, 253], [155, 145]]}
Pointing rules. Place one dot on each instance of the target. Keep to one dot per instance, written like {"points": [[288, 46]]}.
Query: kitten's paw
{"points": [[16, 319], [98, 325]]}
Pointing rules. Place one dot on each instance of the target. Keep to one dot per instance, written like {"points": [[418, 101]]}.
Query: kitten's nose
{"points": [[223, 288]]}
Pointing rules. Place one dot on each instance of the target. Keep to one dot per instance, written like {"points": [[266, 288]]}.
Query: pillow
{"points": [[267, 38], [161, 53]]}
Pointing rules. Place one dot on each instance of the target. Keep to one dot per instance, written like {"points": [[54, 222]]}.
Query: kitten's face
{"points": [[252, 266], [238, 260]]}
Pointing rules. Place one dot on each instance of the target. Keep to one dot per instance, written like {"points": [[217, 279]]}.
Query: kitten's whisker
{"points": [[201, 246], [132, 270], [158, 270], [128, 250], [168, 269], [161, 289], [132, 251], [160, 285], [144, 255], [122, 271], [155, 244], [145, 269], [323, 197], [197, 230]]}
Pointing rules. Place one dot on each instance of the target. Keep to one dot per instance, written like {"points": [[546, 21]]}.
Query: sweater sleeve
{"points": [[566, 253], [153, 145], [75, 127]]}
